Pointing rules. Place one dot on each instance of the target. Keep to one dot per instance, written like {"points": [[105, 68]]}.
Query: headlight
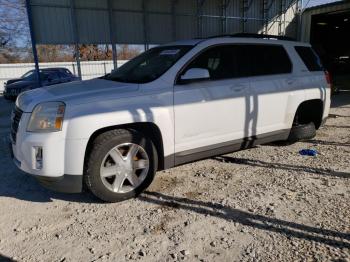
{"points": [[47, 117]]}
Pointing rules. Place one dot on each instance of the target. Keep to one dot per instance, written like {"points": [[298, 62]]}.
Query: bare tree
{"points": [[126, 52], [14, 32], [13, 22], [95, 52]]}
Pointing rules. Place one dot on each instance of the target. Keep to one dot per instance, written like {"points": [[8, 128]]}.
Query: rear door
{"points": [[53, 78], [272, 82], [64, 77]]}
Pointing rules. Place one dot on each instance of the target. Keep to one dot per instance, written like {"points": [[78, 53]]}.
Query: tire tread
{"points": [[97, 145], [302, 132]]}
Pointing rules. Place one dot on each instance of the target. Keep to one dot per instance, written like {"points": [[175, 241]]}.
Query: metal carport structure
{"points": [[154, 21], [327, 28]]}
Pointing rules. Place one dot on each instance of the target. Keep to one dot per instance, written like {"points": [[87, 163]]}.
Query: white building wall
{"points": [[89, 69]]}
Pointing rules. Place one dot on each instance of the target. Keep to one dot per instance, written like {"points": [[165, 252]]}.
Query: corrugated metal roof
{"points": [[52, 25], [151, 21]]}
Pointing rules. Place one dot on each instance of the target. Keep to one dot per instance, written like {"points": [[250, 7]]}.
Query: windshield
{"points": [[31, 75], [149, 65]]}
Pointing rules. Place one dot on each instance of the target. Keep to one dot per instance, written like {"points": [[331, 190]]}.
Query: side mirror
{"points": [[194, 74]]}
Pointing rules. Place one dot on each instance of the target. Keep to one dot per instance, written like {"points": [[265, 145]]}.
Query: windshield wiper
{"points": [[105, 76], [116, 79]]}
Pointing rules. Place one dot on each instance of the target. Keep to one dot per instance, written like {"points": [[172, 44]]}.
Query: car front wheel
{"points": [[121, 164]]}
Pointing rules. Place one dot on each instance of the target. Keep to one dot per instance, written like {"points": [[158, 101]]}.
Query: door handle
{"points": [[238, 88], [290, 81]]}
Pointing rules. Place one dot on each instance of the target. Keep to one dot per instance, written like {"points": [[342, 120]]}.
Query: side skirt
{"points": [[226, 147]]}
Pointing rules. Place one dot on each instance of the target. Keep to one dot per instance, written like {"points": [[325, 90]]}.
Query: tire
{"points": [[114, 150], [302, 132]]}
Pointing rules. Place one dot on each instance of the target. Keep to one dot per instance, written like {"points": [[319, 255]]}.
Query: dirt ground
{"points": [[263, 204]]}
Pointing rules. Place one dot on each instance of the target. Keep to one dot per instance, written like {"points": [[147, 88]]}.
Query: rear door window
{"points": [[54, 76], [266, 59], [310, 58], [63, 75]]}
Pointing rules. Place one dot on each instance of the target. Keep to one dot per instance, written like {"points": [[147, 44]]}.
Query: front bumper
{"points": [[9, 97], [51, 172], [63, 184]]}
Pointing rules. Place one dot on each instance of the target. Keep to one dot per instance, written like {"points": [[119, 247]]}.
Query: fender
{"points": [[83, 121]]}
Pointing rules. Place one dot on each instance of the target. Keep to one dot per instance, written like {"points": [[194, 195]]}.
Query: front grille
{"points": [[15, 118], [13, 91]]}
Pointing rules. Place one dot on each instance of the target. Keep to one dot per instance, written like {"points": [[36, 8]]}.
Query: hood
{"points": [[19, 84], [77, 92], [13, 80]]}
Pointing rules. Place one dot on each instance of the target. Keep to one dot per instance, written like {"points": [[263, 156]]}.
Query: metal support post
{"points": [[265, 16], [112, 35], [173, 19], [281, 14], [200, 4], [224, 4], [76, 37], [145, 25], [243, 20], [32, 37]]}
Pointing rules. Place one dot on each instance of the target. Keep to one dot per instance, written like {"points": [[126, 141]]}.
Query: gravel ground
{"points": [[263, 204]]}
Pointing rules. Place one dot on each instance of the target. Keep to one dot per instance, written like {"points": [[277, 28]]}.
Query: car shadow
{"points": [[327, 143], [336, 116], [22, 186], [5, 259], [334, 126], [341, 100], [19, 185], [16, 184], [287, 228], [259, 163]]}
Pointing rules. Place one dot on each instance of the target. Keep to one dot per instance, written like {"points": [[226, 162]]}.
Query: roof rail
{"points": [[250, 35]]}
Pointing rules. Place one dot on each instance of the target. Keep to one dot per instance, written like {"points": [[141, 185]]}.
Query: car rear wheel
{"points": [[122, 163], [302, 132]]}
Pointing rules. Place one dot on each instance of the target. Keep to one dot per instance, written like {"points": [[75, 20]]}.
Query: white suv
{"points": [[171, 105]]}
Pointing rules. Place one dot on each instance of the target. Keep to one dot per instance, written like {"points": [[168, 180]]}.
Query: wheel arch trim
{"points": [[149, 129]]}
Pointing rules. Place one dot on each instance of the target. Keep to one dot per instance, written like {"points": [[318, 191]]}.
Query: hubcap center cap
{"points": [[125, 167]]}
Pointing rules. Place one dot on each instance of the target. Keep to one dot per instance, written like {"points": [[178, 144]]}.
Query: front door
{"points": [[211, 113]]}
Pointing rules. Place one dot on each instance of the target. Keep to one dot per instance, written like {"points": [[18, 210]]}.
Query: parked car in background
{"points": [[48, 76]]}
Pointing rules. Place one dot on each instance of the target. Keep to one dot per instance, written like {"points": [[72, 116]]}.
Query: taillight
{"points": [[328, 79]]}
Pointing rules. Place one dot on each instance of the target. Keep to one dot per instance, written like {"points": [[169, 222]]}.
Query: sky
{"points": [[310, 3]]}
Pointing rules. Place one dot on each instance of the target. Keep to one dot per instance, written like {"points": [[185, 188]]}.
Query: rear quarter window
{"points": [[310, 58]]}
